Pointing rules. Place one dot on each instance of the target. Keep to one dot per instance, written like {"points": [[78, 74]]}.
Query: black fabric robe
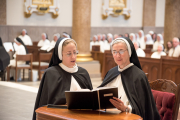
{"points": [[4, 57], [55, 82], [137, 89]]}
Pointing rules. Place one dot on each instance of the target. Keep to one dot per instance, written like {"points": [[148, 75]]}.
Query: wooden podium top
{"points": [[44, 113]]}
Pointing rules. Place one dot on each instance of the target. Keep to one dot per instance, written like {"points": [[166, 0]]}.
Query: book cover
{"points": [[95, 99]]}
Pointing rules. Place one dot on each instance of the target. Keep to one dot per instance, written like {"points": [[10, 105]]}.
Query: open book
{"points": [[8, 46], [95, 99], [47, 47]]}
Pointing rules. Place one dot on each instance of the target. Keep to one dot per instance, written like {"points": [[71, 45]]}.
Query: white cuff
{"points": [[130, 108]]}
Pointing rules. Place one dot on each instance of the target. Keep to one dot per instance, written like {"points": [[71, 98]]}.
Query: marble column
{"points": [[2, 12], [149, 15], [81, 28], [172, 20]]}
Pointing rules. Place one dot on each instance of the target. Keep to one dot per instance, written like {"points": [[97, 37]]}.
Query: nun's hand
{"points": [[118, 104]]}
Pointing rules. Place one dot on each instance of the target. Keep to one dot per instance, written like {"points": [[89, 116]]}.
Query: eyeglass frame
{"points": [[121, 52], [70, 53]]}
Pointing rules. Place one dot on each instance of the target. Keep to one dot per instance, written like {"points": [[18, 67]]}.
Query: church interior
{"points": [[31, 29]]}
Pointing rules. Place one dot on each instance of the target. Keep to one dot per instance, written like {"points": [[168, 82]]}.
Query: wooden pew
{"points": [[108, 63], [151, 66], [35, 50], [164, 68]]}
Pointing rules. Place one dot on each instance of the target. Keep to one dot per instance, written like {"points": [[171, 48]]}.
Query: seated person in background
{"points": [[116, 36], [120, 35], [55, 38], [4, 58], [151, 32], [158, 42], [93, 42], [141, 39], [159, 52], [126, 35], [104, 38], [21, 50], [139, 51], [107, 45], [132, 37], [25, 38], [44, 40], [175, 51], [66, 35], [154, 37], [100, 43], [148, 39], [62, 75], [137, 37], [134, 92], [168, 46]]}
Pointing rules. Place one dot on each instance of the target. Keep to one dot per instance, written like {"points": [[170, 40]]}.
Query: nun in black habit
{"points": [[4, 57], [134, 92], [21, 50], [62, 75]]}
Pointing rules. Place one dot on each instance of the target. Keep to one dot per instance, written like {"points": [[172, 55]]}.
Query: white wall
{"points": [[15, 15], [134, 21], [160, 13]]}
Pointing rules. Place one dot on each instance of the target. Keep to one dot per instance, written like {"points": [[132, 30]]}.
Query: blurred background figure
{"points": [[93, 42], [175, 50], [55, 38], [159, 52], [139, 51], [25, 38], [115, 36], [168, 46], [158, 42], [126, 35], [44, 40]]}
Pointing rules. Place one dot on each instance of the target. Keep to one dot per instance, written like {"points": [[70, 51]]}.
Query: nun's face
{"points": [[158, 38], [159, 48], [43, 37], [145, 39], [140, 35], [116, 36], [23, 33], [69, 55], [135, 45], [131, 37], [121, 59], [110, 40], [55, 38], [94, 39]]}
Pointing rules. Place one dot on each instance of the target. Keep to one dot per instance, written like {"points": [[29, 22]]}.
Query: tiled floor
{"points": [[17, 99], [16, 104]]}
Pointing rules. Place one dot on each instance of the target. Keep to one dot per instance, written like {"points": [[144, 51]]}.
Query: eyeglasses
{"points": [[70, 54], [120, 52]]}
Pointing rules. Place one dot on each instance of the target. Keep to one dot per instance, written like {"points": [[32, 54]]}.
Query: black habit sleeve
{"points": [[55, 82], [138, 91]]}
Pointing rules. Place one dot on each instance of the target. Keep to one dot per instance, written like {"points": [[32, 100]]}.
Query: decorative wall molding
{"points": [[42, 7], [116, 8]]}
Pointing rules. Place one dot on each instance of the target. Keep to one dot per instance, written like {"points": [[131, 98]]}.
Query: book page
{"points": [[8, 46], [50, 48], [44, 47], [103, 88], [80, 90]]}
